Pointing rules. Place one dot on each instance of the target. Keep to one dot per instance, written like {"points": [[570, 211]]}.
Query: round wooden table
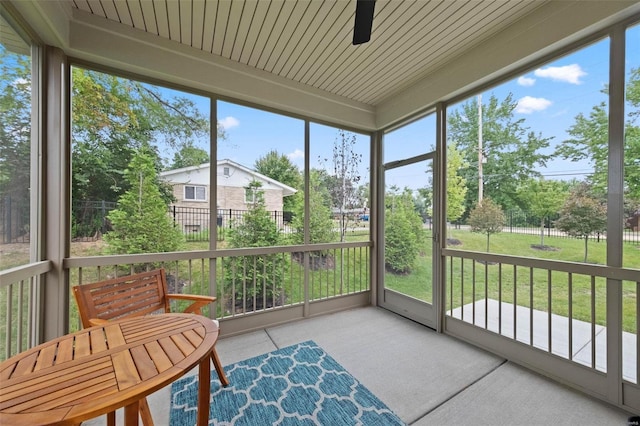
{"points": [[99, 369]]}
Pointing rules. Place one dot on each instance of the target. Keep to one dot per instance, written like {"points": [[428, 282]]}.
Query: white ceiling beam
{"points": [[104, 42]]}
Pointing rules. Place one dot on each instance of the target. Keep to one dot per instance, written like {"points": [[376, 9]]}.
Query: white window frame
{"points": [[195, 193], [251, 192]]}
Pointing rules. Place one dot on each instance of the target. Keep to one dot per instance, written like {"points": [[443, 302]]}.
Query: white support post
{"points": [[615, 211]]}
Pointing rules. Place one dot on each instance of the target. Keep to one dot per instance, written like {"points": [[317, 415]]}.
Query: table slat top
{"points": [[96, 370]]}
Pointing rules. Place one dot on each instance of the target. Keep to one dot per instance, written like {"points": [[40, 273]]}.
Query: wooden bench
{"points": [[132, 296]]}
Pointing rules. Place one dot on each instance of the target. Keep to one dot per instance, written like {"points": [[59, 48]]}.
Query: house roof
{"points": [[296, 55], [286, 189]]}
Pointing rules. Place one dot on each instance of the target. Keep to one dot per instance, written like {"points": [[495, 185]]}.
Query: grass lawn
{"points": [[474, 281], [471, 282]]}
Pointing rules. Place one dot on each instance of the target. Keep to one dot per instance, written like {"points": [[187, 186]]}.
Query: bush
{"points": [[140, 222], [255, 282], [487, 218], [582, 215], [321, 228], [403, 235]]}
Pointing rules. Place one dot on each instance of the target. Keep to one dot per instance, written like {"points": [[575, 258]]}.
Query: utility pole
{"points": [[480, 156]]}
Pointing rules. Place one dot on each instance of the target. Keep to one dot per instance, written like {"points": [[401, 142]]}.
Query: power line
{"points": [[573, 173]]}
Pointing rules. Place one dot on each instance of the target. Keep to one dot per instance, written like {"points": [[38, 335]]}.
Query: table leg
{"points": [[204, 391], [131, 414]]}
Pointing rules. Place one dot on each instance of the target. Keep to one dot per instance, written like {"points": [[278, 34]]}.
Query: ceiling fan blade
{"points": [[364, 21]]}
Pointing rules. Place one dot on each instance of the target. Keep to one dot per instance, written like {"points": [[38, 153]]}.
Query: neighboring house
{"points": [[192, 193]]}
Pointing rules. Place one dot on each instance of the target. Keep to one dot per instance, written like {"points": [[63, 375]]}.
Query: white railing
{"points": [[18, 310], [555, 307], [245, 281]]}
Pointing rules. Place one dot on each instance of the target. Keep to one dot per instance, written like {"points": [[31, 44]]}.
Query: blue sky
{"points": [[252, 133], [549, 98]]}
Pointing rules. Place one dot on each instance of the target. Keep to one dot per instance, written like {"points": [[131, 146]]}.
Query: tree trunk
{"points": [[488, 242], [542, 232]]}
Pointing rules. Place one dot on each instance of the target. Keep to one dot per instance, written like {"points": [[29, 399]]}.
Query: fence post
{"points": [[103, 210], [511, 221], [9, 230]]}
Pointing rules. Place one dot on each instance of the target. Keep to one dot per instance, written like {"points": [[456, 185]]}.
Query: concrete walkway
{"points": [[426, 378], [582, 332]]}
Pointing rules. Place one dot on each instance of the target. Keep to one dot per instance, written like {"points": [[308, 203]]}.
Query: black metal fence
{"points": [[14, 220], [519, 222], [195, 222], [89, 219], [90, 222]]}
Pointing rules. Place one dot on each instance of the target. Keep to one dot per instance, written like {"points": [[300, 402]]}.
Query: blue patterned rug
{"points": [[296, 385]]}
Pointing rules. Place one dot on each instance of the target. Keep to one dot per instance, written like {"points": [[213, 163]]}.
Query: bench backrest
{"points": [[128, 296]]}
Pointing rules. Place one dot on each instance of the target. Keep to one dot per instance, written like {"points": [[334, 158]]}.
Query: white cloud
{"points": [[526, 81], [528, 105], [296, 154], [568, 73], [229, 122]]}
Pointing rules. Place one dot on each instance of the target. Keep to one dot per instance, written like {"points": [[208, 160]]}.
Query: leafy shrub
{"points": [[255, 282], [140, 222], [403, 234], [487, 218], [582, 215]]}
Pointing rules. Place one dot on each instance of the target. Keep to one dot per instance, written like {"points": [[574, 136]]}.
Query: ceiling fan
{"points": [[364, 21]]}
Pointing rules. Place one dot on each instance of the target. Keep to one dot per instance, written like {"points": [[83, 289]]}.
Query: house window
{"points": [[225, 171], [252, 195], [192, 229], [195, 193]]}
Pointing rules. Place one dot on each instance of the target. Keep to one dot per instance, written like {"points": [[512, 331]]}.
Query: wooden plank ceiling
{"points": [[11, 40], [309, 41]]}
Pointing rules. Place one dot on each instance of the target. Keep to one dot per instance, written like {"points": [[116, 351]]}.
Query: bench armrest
{"points": [[198, 301]]}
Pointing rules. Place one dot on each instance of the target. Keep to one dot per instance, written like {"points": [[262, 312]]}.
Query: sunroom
{"points": [[438, 168]]}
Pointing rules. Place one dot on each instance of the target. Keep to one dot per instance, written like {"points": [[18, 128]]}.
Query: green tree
{"points": [[589, 141], [188, 156], [342, 179], [140, 222], [364, 194], [543, 198], [15, 137], [590, 138], [423, 202], [254, 282], [487, 218], [321, 229], [456, 183], [112, 118], [320, 223], [403, 232], [512, 152], [582, 215], [279, 167]]}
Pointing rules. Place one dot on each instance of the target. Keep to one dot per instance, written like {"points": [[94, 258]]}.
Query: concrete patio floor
{"points": [[426, 378]]}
